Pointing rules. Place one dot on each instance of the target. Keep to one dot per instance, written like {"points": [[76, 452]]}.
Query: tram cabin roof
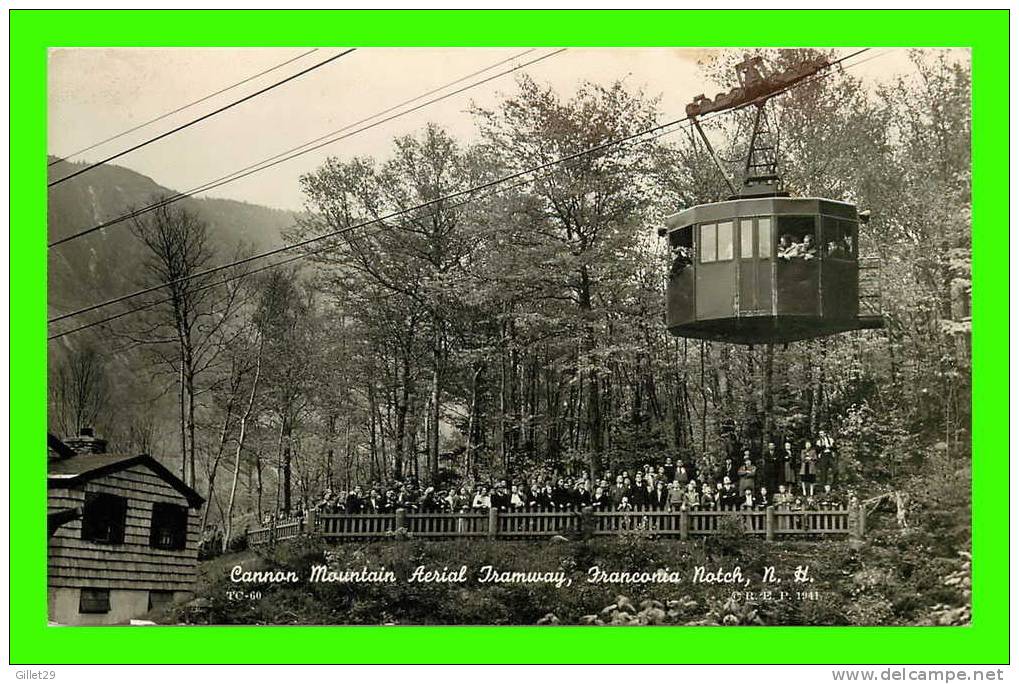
{"points": [[758, 206]]}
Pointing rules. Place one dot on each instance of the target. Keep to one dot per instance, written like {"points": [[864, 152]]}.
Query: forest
{"points": [[521, 325]]}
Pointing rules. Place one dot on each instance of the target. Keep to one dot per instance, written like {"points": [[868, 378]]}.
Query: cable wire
{"points": [[181, 108], [201, 118], [304, 148]]}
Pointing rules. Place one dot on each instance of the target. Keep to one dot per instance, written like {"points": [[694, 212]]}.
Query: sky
{"points": [[96, 93]]}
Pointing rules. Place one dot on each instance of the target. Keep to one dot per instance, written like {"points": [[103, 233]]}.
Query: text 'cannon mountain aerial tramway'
{"points": [[763, 267]]}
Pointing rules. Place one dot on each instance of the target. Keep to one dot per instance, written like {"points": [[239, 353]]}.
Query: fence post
{"points": [[857, 522], [586, 522], [684, 524], [401, 520], [493, 522], [309, 522], [769, 523]]}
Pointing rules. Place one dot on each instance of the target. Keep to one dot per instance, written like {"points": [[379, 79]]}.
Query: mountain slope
{"points": [[107, 263]]}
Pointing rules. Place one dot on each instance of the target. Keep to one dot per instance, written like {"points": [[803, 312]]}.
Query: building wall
{"points": [[125, 604], [129, 570]]}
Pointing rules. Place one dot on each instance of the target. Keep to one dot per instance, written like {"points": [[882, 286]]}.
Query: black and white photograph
{"points": [[509, 336]]}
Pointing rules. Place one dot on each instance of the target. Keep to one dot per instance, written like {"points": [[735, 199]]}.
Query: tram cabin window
{"points": [[681, 248], [104, 517], [747, 228], [716, 241], [764, 239], [796, 238], [746, 238], [725, 241], [838, 238], [708, 250], [681, 238]]}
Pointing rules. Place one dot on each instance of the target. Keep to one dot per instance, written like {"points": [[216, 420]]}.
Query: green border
{"points": [[32, 32]]}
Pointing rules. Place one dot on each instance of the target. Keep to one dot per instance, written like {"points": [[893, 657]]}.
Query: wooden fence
{"points": [[770, 523], [280, 531]]}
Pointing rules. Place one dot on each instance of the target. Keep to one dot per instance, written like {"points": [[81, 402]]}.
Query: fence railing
{"points": [[280, 531], [770, 523]]}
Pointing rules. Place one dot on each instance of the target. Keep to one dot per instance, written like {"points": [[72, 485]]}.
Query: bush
{"points": [[238, 543], [730, 536]]}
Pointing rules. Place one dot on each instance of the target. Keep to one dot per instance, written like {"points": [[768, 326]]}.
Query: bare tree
{"points": [[187, 328], [241, 435], [81, 390]]}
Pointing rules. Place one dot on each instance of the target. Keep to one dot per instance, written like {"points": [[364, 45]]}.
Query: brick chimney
{"points": [[86, 442]]}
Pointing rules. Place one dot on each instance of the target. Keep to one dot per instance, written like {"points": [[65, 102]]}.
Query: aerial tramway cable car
{"points": [[763, 267]]}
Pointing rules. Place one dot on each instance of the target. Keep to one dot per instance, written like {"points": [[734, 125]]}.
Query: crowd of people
{"points": [[781, 476]]}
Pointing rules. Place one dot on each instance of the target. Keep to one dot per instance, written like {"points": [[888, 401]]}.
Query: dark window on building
{"points": [[169, 526], [94, 601], [103, 518], [159, 598]]}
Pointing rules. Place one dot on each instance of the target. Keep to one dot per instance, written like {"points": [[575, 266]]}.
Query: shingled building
{"points": [[123, 534]]}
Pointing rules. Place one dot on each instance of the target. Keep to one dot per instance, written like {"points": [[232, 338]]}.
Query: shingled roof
{"points": [[80, 468]]}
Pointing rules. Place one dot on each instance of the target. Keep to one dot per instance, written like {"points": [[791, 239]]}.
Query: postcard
{"points": [[519, 336]]}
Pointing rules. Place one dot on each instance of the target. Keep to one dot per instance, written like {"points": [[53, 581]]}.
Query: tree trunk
{"points": [[242, 432], [259, 484], [373, 448], [401, 421], [469, 464], [434, 411], [214, 467], [553, 407], [287, 466], [674, 393], [816, 380], [384, 422], [594, 408], [704, 405], [183, 420], [191, 427], [503, 446], [532, 406], [279, 462], [768, 397]]}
